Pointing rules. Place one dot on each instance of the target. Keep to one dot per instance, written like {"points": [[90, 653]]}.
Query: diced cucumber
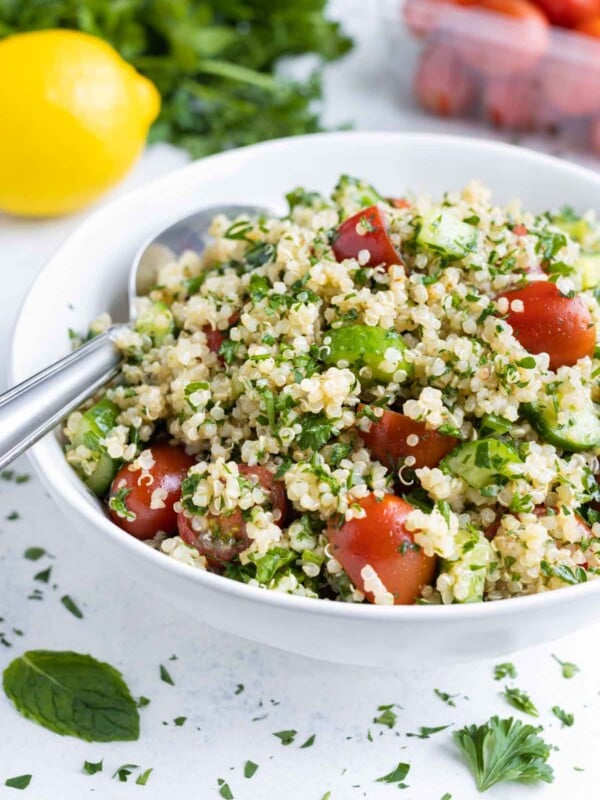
{"points": [[578, 228], [95, 424], [469, 570], [367, 345], [441, 232], [352, 194], [156, 321], [580, 432], [587, 270], [482, 462]]}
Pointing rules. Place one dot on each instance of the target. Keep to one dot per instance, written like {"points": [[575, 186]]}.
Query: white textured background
{"points": [[126, 626]]}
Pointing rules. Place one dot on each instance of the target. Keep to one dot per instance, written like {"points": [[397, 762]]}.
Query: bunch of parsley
{"points": [[212, 60]]}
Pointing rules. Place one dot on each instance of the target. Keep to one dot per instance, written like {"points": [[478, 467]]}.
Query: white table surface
{"points": [[124, 624]]}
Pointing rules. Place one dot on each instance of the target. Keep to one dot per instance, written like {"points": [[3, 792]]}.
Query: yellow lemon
{"points": [[74, 116]]}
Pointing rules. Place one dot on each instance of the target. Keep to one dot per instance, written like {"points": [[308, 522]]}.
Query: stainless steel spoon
{"points": [[32, 408]]}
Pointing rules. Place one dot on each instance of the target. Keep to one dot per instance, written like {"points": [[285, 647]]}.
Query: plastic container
{"points": [[518, 75]]}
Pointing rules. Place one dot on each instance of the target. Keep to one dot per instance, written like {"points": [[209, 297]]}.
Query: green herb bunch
{"points": [[213, 61]]}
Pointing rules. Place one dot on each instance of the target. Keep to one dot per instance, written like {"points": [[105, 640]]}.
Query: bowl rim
{"points": [[43, 453]]}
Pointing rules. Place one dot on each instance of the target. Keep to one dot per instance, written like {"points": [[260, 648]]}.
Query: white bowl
{"points": [[89, 272]]}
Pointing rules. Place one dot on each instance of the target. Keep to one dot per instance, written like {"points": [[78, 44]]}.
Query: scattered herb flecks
{"points": [[286, 737], [249, 769], [165, 676], [568, 668], [445, 697], [564, 716], [34, 553], [387, 716], [425, 733], [224, 789], [520, 700], [71, 606], [396, 776], [92, 767], [20, 782], [506, 670]]}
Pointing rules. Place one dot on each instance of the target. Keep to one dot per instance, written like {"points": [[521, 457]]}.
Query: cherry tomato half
{"points": [[366, 230], [591, 27], [521, 40], [513, 102], [569, 13], [552, 323], [149, 495], [380, 539], [216, 337], [224, 537], [387, 440], [443, 85]]}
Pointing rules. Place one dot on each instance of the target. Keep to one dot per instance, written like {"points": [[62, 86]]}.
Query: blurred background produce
{"points": [[213, 62], [520, 65]]}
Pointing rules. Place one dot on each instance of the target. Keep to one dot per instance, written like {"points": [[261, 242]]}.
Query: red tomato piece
{"points": [[552, 323], [140, 492], [513, 102], [399, 202], [214, 338], [520, 37], [591, 27], [443, 85], [388, 441], [569, 13], [225, 536], [520, 230], [366, 230], [381, 540]]}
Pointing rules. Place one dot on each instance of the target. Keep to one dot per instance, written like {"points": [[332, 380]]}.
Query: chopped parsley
{"points": [[224, 789], [505, 670], [92, 767], [142, 778], [316, 431], [165, 676], [34, 553], [179, 721], [20, 782], [425, 733], [387, 716], [71, 606], [124, 771], [119, 506], [445, 697], [309, 742], [13, 516], [504, 750], [143, 702], [239, 688], [396, 776], [249, 769], [286, 737], [568, 668], [566, 718], [520, 700], [43, 576]]}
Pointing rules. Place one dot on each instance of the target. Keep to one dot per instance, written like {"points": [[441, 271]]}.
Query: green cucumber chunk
{"points": [[587, 270], [352, 194], [156, 321], [441, 232], [580, 432], [469, 570], [482, 462], [95, 424], [365, 345]]}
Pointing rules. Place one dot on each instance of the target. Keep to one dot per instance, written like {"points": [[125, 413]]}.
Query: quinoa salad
{"points": [[385, 400]]}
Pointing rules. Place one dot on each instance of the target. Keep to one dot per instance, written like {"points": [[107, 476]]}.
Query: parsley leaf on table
{"points": [[396, 776], [564, 716], [520, 700], [504, 750], [506, 670]]}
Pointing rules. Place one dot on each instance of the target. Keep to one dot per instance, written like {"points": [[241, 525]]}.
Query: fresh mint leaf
{"points": [[73, 695], [504, 750]]}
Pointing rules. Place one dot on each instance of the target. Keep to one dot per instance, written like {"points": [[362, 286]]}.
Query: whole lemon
{"points": [[73, 118]]}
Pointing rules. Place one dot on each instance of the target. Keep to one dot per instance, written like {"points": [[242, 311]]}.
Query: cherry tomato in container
{"points": [[552, 323], [571, 80], [504, 37], [424, 16], [591, 27], [394, 436], [443, 84], [569, 13], [595, 135], [366, 230], [513, 103], [380, 540], [141, 501], [223, 537]]}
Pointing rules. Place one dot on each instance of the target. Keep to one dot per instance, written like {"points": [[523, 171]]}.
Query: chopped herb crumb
{"points": [[396, 776], [20, 782], [143, 701], [387, 716], [506, 670], [309, 742], [142, 778], [425, 733], [34, 553], [179, 721], [13, 515], [225, 791], [446, 796], [249, 769], [286, 737], [92, 767], [520, 700], [566, 718], [239, 688], [164, 676], [568, 669], [43, 576], [71, 606], [447, 698], [123, 772]]}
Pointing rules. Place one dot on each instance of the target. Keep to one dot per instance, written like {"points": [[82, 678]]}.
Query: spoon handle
{"points": [[32, 408]]}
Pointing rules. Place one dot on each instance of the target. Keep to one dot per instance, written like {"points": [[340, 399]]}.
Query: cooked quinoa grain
{"points": [[355, 349]]}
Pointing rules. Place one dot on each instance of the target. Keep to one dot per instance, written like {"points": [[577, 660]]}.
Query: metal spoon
{"points": [[32, 408]]}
